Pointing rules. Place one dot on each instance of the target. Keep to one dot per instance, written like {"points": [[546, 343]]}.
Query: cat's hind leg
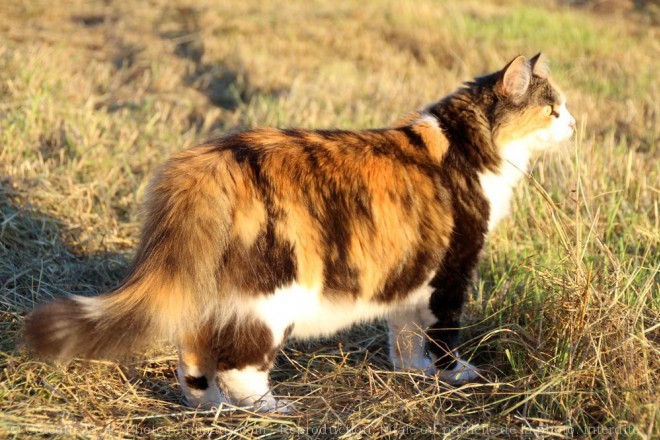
{"points": [[197, 372], [248, 387], [246, 354]]}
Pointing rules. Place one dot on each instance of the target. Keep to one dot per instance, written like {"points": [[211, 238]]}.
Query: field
{"points": [[564, 319]]}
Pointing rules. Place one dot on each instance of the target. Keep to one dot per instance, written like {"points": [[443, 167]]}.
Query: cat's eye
{"points": [[550, 111]]}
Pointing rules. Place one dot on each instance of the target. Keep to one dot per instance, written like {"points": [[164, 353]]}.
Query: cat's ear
{"points": [[514, 78], [540, 66]]}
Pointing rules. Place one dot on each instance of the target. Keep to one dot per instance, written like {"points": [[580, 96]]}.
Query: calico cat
{"points": [[269, 234]]}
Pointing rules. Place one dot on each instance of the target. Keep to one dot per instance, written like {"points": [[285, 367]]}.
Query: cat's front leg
{"points": [[447, 306], [450, 367], [407, 338]]}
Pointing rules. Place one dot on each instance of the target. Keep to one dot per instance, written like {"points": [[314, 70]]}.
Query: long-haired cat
{"points": [[269, 234]]}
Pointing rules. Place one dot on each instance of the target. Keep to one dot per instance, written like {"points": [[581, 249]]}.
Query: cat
{"points": [[269, 234]]}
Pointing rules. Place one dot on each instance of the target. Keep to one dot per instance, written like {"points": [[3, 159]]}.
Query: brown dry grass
{"points": [[564, 320]]}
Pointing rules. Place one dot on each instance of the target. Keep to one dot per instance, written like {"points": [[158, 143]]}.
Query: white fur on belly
{"points": [[314, 315]]}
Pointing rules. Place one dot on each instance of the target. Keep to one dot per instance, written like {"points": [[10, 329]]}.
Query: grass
{"points": [[565, 317]]}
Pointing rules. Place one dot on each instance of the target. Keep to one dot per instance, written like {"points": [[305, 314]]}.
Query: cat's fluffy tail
{"points": [[173, 288], [105, 326]]}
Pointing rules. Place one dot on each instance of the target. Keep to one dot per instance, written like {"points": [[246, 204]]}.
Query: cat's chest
{"points": [[498, 186]]}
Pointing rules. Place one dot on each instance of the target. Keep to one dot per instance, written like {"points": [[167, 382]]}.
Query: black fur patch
{"points": [[197, 383], [248, 343], [471, 151], [414, 138], [409, 276]]}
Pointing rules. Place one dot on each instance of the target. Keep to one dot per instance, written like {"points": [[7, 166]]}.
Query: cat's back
{"points": [[360, 210], [418, 143]]}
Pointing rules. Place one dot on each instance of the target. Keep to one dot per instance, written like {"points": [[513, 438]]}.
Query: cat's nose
{"points": [[572, 123]]}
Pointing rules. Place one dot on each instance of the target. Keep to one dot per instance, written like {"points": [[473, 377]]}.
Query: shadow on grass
{"points": [[227, 87], [37, 265]]}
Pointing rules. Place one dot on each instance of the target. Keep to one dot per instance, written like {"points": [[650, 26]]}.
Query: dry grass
{"points": [[564, 320]]}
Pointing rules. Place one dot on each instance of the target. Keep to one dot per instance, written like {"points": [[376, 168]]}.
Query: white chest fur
{"points": [[499, 186]]}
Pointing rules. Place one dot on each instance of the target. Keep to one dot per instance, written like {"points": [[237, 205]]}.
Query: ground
{"points": [[564, 319]]}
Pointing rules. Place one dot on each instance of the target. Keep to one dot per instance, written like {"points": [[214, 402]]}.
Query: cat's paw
{"points": [[417, 364], [426, 365], [270, 404], [463, 372], [267, 404], [206, 402]]}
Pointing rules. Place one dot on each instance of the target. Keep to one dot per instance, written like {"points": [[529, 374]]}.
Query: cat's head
{"points": [[528, 107]]}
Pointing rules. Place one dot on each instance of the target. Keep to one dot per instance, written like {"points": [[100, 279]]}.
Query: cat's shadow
{"points": [[227, 85], [37, 263]]}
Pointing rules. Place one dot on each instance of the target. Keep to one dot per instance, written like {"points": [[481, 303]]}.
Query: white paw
{"points": [[463, 372], [422, 364], [206, 401], [209, 398], [272, 405]]}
